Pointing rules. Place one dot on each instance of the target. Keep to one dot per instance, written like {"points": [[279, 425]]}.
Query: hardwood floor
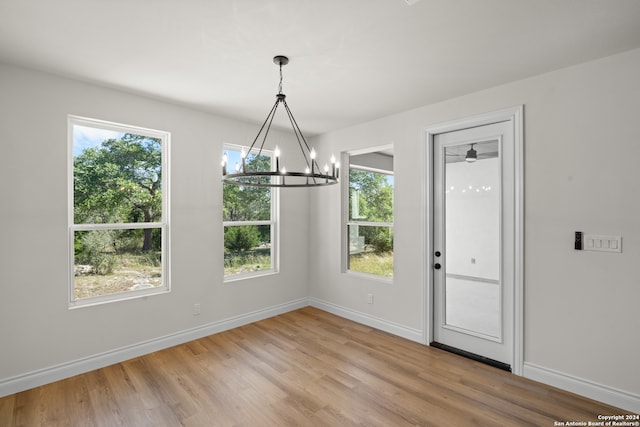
{"points": [[302, 368]]}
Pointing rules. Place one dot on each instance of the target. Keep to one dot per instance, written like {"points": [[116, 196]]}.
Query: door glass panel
{"points": [[472, 238]]}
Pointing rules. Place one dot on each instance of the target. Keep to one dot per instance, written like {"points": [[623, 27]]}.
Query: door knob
{"points": [[437, 266]]}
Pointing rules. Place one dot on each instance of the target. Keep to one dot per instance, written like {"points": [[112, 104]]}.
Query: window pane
{"points": [[247, 248], [111, 261], [370, 196], [116, 176], [243, 203], [371, 250]]}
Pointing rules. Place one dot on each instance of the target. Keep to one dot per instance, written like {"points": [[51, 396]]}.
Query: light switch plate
{"points": [[601, 243]]}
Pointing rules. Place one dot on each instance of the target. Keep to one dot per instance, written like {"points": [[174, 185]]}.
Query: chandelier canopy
{"points": [[279, 176]]}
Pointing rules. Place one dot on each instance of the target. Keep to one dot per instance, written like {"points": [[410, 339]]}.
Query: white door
{"points": [[473, 255]]}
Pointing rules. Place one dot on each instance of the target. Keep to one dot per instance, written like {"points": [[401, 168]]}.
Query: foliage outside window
{"points": [[118, 213], [370, 222], [249, 222]]}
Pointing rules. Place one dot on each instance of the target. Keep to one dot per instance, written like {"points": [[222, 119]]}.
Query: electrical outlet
{"points": [[196, 309], [369, 298]]}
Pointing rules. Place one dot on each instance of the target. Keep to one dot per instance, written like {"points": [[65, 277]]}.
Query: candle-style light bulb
{"points": [[312, 155], [333, 165], [243, 156], [284, 170], [307, 170], [326, 168], [225, 159]]}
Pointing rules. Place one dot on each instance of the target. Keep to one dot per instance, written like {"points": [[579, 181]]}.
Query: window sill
{"points": [[374, 277], [122, 296], [252, 275]]}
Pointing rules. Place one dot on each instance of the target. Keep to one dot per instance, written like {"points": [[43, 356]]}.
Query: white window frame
{"points": [[347, 221], [273, 223], [163, 224]]}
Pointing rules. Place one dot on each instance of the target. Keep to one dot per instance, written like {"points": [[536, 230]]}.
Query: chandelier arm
{"points": [[298, 134], [271, 114], [303, 138], [266, 132], [295, 124], [296, 131]]}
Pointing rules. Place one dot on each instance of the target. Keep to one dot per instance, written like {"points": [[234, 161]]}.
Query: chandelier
{"points": [[249, 173]]}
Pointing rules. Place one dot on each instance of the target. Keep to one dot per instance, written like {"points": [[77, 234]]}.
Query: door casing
{"points": [[515, 116]]}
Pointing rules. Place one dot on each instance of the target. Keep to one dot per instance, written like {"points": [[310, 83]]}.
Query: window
{"points": [[118, 215], [249, 220], [369, 226]]}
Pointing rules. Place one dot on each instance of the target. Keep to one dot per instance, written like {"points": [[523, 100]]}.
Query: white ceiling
{"points": [[351, 60]]}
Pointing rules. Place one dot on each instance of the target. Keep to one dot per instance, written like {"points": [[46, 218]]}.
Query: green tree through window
{"points": [[249, 223], [120, 181], [118, 222], [370, 222]]}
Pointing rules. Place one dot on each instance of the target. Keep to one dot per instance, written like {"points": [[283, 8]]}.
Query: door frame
{"points": [[514, 115]]}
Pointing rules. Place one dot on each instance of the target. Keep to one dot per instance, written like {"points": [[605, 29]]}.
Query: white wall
{"points": [[37, 330], [582, 142]]}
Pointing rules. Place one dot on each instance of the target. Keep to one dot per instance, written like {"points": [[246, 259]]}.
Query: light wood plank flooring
{"points": [[303, 368]]}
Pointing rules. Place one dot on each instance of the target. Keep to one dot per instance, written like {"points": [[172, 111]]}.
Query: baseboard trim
{"points": [[609, 395], [369, 320], [65, 370]]}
